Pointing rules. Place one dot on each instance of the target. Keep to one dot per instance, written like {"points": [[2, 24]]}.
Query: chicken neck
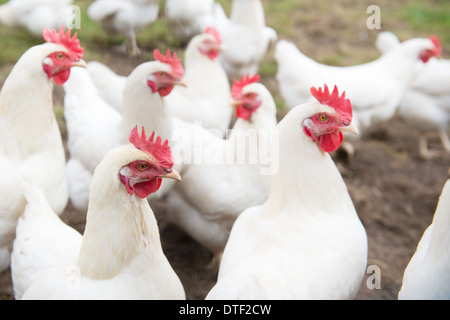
{"points": [[307, 177], [26, 108], [119, 226], [247, 12], [144, 108]]}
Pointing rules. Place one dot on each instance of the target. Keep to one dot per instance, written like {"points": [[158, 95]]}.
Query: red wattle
{"points": [[165, 91], [212, 54], [61, 77], [331, 142], [243, 113], [144, 189]]}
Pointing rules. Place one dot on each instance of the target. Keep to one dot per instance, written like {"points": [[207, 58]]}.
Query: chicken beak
{"points": [[234, 103], [79, 63], [180, 83], [350, 128], [173, 174], [221, 47]]}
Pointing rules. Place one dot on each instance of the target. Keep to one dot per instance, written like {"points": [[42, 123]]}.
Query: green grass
{"points": [[432, 16], [423, 18], [279, 15], [13, 43], [435, 18]]}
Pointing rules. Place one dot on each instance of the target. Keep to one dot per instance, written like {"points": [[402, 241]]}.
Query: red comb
{"points": [[244, 81], [174, 62], [161, 151], [213, 31], [437, 44], [72, 44], [342, 105]]}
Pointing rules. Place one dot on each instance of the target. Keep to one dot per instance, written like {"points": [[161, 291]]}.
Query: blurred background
{"points": [[395, 191]]}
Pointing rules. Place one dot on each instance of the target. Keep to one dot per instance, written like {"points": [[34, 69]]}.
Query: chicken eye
{"points": [[323, 117], [142, 166], [162, 74], [60, 56]]}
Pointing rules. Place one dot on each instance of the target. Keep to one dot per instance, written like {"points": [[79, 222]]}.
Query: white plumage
{"points": [[119, 256], [189, 18], [109, 84], [427, 276], [36, 15], [375, 88], [206, 98], [125, 17], [426, 102], [31, 148], [386, 40], [228, 176], [94, 127], [245, 36], [306, 241]]}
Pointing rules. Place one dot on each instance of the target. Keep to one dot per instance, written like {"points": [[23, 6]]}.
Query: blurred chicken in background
{"points": [[426, 103], [35, 15], [125, 17]]}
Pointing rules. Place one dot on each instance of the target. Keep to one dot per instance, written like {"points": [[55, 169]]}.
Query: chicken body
{"points": [[306, 241], [109, 84], [245, 37], [226, 177], [427, 276], [126, 17], [31, 148], [92, 127], [119, 256], [375, 88], [206, 98], [189, 18], [35, 15], [426, 102]]}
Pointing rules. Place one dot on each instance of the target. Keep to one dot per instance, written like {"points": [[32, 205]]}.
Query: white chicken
{"points": [[206, 98], [31, 148], [109, 84], [427, 276], [386, 40], [229, 175], [94, 127], [36, 15], [375, 88], [306, 241], [189, 18], [426, 103], [125, 17], [119, 256], [245, 36]]}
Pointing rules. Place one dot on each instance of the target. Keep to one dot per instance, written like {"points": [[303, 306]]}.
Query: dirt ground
{"points": [[394, 190]]}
